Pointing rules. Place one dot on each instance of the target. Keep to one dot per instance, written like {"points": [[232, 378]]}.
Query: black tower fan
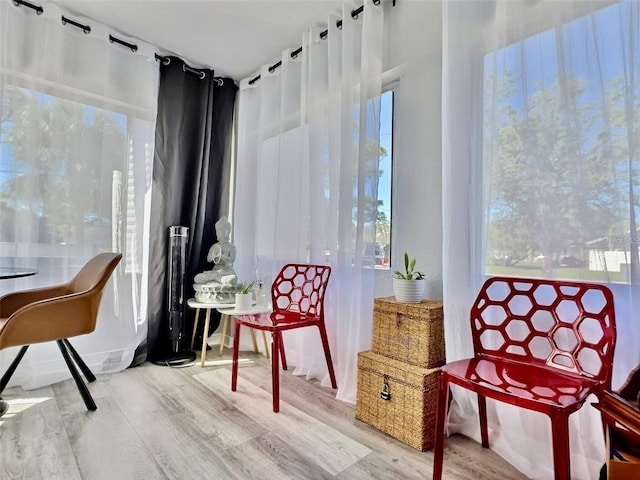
{"points": [[176, 301]]}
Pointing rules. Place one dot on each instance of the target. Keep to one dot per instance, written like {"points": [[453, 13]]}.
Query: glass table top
{"points": [[16, 272]]}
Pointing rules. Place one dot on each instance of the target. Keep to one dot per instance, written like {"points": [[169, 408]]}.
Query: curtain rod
{"points": [[112, 39], [185, 68], [323, 35], [85, 28], [30, 5]]}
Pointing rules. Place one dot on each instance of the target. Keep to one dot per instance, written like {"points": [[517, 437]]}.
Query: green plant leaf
{"points": [[399, 274], [409, 267], [246, 287]]}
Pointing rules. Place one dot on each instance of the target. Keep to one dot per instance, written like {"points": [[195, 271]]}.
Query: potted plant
{"points": [[408, 286], [244, 297]]}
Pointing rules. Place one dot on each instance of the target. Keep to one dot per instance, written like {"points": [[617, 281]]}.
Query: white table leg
{"points": [[223, 334], [203, 354], [195, 327], [253, 339], [266, 345]]}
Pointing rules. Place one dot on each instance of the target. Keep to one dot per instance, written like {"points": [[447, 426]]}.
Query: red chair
{"points": [[297, 296], [539, 344]]}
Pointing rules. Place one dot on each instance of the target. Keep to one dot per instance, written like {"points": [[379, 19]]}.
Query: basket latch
{"points": [[384, 394]]}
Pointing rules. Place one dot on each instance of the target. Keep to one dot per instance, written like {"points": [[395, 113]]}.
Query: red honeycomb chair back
{"points": [[560, 324], [300, 288]]}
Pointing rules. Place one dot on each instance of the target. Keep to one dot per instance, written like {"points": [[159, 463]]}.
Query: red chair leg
{"points": [[327, 354], [283, 356], [236, 349], [561, 456], [441, 426], [482, 412], [275, 370]]}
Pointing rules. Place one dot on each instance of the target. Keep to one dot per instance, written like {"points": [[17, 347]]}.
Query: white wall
{"points": [[413, 58]]}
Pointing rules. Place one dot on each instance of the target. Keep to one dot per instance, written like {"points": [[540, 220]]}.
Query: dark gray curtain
{"points": [[191, 175]]}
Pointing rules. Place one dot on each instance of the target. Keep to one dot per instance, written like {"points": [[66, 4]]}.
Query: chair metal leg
{"points": [[236, 349], [327, 354], [12, 368], [441, 426], [561, 456], [88, 374], [482, 411], [276, 346], [82, 388]]}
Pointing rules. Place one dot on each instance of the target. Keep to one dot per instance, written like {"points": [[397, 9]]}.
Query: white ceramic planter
{"points": [[408, 291], [244, 302]]}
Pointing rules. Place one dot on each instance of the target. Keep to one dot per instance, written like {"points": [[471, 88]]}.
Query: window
{"points": [[282, 152], [385, 163], [561, 161], [48, 187], [68, 180]]}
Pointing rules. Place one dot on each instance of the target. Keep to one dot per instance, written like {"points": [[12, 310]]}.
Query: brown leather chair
{"points": [[57, 313]]}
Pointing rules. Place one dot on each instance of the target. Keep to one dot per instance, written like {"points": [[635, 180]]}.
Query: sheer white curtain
{"points": [[308, 134], [540, 161], [76, 148]]}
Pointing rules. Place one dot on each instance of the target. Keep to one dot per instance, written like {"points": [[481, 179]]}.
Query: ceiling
{"points": [[232, 37]]}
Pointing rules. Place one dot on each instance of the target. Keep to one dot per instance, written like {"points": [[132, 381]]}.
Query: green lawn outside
{"points": [[566, 273]]}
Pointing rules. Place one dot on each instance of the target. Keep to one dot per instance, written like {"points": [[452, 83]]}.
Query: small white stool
{"points": [[226, 310]]}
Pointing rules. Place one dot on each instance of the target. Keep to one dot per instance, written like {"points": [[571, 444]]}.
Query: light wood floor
{"points": [[184, 423]]}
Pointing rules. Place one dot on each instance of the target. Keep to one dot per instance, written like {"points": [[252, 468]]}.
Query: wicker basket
{"points": [[412, 333], [409, 413]]}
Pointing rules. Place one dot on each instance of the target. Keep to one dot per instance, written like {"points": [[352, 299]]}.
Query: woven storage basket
{"points": [[410, 412], [409, 332]]}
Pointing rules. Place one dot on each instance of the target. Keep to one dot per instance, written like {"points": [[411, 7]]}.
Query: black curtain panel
{"points": [[191, 176]]}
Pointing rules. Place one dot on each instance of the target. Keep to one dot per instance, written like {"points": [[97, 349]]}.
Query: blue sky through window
{"points": [[386, 142]]}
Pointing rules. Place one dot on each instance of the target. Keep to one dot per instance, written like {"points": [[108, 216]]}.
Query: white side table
{"points": [[229, 312], [226, 310]]}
